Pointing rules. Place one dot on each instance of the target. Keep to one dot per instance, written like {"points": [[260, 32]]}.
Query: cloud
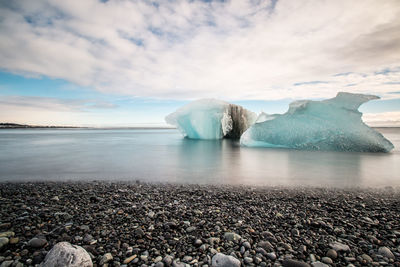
{"points": [[190, 49], [54, 104], [390, 119]]}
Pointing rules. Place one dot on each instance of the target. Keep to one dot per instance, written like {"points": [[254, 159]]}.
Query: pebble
{"points": [[3, 242], [7, 234], [229, 236], [222, 260], [332, 254], [246, 245], [319, 264], [37, 242], [198, 242], [367, 258], [271, 256], [294, 263], [190, 229], [247, 260], [337, 246], [327, 260], [6, 263], [386, 252], [129, 259], [168, 260], [105, 258]]}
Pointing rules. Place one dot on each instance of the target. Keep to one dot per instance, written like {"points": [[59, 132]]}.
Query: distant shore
{"points": [[25, 126], [158, 224]]}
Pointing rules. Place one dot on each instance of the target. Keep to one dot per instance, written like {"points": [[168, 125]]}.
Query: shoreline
{"points": [[188, 224]]}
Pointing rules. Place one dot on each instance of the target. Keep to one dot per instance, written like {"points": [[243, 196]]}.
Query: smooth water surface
{"points": [[162, 155]]}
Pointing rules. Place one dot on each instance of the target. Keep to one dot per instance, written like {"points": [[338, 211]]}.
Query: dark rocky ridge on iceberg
{"points": [[211, 119]]}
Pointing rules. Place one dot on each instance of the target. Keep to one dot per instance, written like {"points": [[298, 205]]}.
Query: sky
{"points": [[131, 63]]}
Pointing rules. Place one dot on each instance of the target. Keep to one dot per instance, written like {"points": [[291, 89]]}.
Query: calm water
{"points": [[164, 156]]}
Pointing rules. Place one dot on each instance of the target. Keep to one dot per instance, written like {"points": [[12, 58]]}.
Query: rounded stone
{"points": [[332, 254], [229, 236], [327, 260], [3, 241], [319, 264], [294, 263], [386, 252], [222, 260], [37, 242], [65, 254]]}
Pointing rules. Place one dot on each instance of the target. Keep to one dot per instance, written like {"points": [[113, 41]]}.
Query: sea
{"points": [[164, 156]]}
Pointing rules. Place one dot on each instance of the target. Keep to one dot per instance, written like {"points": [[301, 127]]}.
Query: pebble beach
{"points": [[137, 224]]}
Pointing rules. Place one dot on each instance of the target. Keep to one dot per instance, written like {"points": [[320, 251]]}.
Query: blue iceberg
{"points": [[211, 119], [332, 124]]}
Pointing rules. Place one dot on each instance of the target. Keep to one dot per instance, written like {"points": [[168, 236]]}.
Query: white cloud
{"points": [[190, 49], [383, 119]]}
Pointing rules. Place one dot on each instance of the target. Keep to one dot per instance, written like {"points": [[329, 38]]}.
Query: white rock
{"points": [[339, 246], [65, 254], [384, 251], [319, 264], [222, 260]]}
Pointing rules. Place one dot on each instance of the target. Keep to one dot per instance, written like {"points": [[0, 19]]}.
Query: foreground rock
{"points": [[67, 255], [221, 260]]}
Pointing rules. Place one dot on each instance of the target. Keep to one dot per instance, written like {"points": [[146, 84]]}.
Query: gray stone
{"points": [[158, 259], [37, 242], [337, 246], [213, 240], [246, 245], [7, 234], [106, 258], [168, 260], [294, 263], [271, 256], [319, 264], [3, 242], [332, 254], [248, 260], [327, 260], [65, 254], [139, 232], [265, 245], [179, 264], [229, 236], [386, 252], [6, 263], [367, 258], [222, 260], [190, 229]]}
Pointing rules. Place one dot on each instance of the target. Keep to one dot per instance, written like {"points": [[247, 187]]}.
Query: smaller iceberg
{"points": [[211, 119], [332, 124]]}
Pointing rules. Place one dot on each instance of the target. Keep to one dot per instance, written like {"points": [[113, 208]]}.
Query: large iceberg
{"points": [[332, 124], [211, 119]]}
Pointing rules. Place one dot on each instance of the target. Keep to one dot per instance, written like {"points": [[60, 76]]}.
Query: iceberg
{"points": [[211, 119], [332, 124]]}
